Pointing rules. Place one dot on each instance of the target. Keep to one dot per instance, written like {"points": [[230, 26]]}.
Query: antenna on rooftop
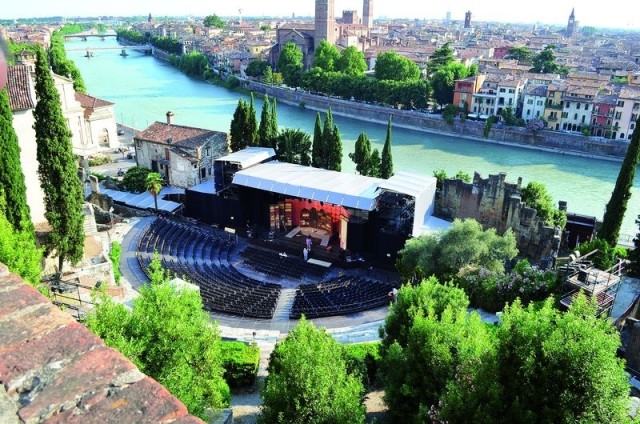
{"points": [[240, 12]]}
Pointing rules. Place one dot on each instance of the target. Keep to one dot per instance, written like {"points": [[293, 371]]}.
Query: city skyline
{"points": [[542, 11]]}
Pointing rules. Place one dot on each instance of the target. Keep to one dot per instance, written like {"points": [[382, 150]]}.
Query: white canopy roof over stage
{"points": [[338, 188], [249, 156]]}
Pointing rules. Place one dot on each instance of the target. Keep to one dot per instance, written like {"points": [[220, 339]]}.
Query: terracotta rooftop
{"points": [[90, 103], [54, 370], [20, 95], [177, 135]]}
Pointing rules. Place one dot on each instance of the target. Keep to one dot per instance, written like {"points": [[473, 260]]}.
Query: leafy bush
{"points": [[606, 256], [114, 255], [99, 176], [233, 82], [491, 291], [100, 160], [362, 360], [135, 179], [240, 362], [487, 125], [449, 113]]}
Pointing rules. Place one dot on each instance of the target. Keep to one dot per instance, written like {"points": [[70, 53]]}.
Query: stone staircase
{"points": [[285, 303]]}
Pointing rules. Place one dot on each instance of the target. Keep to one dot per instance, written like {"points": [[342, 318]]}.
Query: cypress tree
{"points": [[251, 125], [265, 123], [327, 139], [11, 177], [362, 154], [617, 206], [316, 148], [386, 165], [334, 151], [273, 128], [374, 164], [57, 168], [237, 131]]}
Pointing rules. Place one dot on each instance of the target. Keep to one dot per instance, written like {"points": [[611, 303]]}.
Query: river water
{"points": [[144, 89]]}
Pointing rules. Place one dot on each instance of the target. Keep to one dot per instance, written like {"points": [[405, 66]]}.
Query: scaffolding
{"points": [[396, 212], [581, 275]]}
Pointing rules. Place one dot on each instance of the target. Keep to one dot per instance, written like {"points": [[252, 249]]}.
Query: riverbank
{"points": [[547, 141]]}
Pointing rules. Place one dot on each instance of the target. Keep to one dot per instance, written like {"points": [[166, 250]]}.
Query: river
{"points": [[144, 89]]}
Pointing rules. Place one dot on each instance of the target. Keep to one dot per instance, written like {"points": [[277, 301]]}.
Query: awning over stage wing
{"points": [[349, 190], [249, 156], [408, 183]]}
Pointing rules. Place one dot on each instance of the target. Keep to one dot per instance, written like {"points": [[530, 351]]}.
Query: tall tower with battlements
{"points": [[467, 19], [325, 22], [367, 13]]}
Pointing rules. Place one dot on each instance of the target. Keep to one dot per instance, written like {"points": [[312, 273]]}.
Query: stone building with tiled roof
{"points": [[183, 155], [100, 121]]}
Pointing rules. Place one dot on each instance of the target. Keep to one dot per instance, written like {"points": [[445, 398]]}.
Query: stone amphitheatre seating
{"points": [[341, 296], [200, 255]]}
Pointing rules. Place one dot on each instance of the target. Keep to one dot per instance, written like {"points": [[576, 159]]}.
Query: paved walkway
{"points": [[359, 327]]}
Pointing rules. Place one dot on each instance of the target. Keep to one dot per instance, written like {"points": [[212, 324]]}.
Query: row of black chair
{"points": [[340, 296], [275, 264], [201, 256]]}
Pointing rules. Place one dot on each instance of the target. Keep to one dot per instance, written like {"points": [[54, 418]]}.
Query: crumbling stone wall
{"points": [[496, 203]]}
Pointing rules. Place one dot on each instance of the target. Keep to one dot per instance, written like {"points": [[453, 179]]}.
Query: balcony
{"points": [[556, 106], [552, 118]]}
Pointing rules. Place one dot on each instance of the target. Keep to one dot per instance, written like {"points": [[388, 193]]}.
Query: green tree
{"points": [[443, 81], [633, 268], [273, 127], [57, 168], [251, 125], [375, 164], [11, 177], [545, 63], [509, 117], [308, 382], [290, 63], [154, 186], [18, 249], [267, 75], [265, 136], [535, 195], [326, 56], [135, 178], [386, 165], [294, 146], [560, 367], [391, 66], [238, 125], [362, 154], [61, 65], [170, 338], [440, 175], [428, 339], [465, 243], [617, 206], [327, 138], [317, 149], [214, 21], [256, 68], [441, 58], [519, 53], [351, 61], [461, 175]]}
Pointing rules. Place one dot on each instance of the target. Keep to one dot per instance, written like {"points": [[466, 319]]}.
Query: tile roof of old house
{"points": [[177, 135], [54, 369], [90, 103], [20, 95]]}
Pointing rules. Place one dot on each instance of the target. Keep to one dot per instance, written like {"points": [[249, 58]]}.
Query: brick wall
{"points": [[54, 370]]}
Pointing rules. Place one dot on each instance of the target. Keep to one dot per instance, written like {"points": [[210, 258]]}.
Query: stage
{"points": [[315, 233]]}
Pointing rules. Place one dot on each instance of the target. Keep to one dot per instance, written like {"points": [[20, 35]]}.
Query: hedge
{"points": [[240, 362]]}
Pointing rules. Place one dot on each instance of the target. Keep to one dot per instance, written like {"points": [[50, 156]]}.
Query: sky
{"points": [[592, 13]]}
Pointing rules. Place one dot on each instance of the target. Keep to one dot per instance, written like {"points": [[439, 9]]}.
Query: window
{"points": [[636, 106], [530, 101], [578, 106], [203, 172], [618, 115], [565, 114], [528, 112], [567, 105], [537, 113], [502, 90], [511, 90], [539, 103], [620, 103], [463, 96], [575, 116], [586, 107], [583, 118], [634, 117]]}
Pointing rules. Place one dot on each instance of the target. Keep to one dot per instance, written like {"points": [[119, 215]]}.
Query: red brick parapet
{"points": [[54, 370]]}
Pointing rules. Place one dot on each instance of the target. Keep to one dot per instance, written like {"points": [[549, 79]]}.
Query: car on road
{"points": [[120, 131], [131, 155]]}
